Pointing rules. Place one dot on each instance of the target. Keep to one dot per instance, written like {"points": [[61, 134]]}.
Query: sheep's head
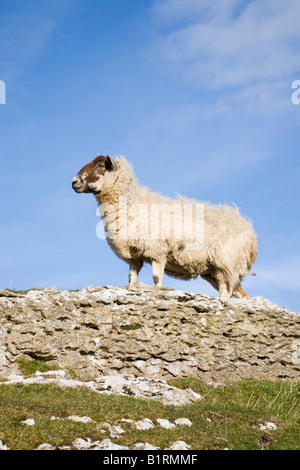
{"points": [[90, 178]]}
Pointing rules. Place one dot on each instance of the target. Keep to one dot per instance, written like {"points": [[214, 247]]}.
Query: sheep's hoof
{"points": [[240, 293]]}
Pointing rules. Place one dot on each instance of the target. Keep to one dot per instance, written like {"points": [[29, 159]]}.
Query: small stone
{"points": [[114, 430], [29, 422], [82, 444], [183, 422], [144, 424], [106, 444], [165, 423], [3, 446], [179, 445], [143, 446], [269, 426], [78, 419], [45, 446]]}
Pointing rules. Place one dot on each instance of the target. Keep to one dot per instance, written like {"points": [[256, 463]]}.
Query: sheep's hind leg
{"points": [[134, 268], [218, 282], [240, 293], [158, 269], [218, 285], [210, 279]]}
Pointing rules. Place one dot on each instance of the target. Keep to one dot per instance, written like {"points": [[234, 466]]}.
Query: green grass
{"points": [[228, 416], [14, 291], [28, 368]]}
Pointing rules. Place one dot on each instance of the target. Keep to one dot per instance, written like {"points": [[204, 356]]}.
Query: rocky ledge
{"points": [[149, 332]]}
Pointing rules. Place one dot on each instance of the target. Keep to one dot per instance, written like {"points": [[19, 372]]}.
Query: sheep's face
{"points": [[90, 178]]}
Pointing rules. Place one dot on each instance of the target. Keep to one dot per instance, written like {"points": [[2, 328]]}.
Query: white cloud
{"points": [[166, 11], [231, 44]]}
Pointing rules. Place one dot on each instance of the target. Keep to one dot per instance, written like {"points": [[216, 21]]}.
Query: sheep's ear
{"points": [[110, 163]]}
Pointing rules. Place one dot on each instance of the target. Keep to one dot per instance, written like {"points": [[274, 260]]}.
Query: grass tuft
{"points": [[29, 367]]}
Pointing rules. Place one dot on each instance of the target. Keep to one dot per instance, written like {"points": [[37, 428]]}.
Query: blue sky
{"points": [[196, 95]]}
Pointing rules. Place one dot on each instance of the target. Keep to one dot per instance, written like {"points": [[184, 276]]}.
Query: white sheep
{"points": [[180, 237]]}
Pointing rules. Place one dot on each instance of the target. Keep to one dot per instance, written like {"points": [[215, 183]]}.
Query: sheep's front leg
{"points": [[158, 269], [134, 269], [223, 286]]}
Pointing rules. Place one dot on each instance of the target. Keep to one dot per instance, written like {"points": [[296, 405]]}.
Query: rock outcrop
{"points": [[117, 384], [145, 331]]}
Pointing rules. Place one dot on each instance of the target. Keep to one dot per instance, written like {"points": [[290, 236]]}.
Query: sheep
{"points": [[181, 237]]}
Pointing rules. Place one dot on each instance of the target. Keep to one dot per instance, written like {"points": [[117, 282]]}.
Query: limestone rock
{"points": [[165, 423], [29, 422], [115, 431], [269, 426], [46, 446], [144, 424], [179, 445], [116, 385], [149, 332], [183, 422], [143, 446], [3, 446]]}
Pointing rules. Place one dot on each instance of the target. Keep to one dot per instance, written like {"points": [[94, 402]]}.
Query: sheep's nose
{"points": [[74, 181]]}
